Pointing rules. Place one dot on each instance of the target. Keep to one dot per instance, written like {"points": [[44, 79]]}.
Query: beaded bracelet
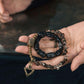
{"points": [[59, 38], [34, 43]]}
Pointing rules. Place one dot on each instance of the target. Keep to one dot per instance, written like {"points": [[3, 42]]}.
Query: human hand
{"points": [[74, 36], [8, 7]]}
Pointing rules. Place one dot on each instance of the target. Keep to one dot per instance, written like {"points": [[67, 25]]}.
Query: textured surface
{"points": [[55, 14]]}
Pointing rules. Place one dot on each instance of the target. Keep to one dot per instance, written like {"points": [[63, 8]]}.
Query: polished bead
{"points": [[36, 46], [41, 34], [50, 55], [41, 53], [58, 53], [60, 44], [49, 34]]}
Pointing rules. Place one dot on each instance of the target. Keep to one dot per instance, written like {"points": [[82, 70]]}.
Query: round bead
{"points": [[41, 53], [36, 46], [57, 39], [50, 55]]}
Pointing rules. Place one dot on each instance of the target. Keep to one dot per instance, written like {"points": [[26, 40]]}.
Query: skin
{"points": [[9, 7], [74, 35]]}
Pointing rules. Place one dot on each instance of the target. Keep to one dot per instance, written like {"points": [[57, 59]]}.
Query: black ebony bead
{"points": [[49, 34], [41, 53], [41, 34], [38, 38], [50, 55], [58, 53], [36, 46]]}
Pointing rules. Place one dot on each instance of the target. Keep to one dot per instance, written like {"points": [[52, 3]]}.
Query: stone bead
{"points": [[36, 46], [58, 53], [49, 34], [60, 44], [41, 34], [41, 53], [50, 55], [38, 38]]}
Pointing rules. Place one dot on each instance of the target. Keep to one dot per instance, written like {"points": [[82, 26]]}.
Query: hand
{"points": [[8, 7], [74, 36]]}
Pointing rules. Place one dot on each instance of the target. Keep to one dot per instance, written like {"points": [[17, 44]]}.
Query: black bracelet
{"points": [[59, 38]]}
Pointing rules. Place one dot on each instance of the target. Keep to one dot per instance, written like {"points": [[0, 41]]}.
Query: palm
{"points": [[75, 42]]}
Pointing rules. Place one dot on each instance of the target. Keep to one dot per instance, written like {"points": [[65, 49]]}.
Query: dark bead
{"points": [[55, 36], [58, 53], [38, 38], [63, 62], [36, 46], [64, 54], [41, 53], [49, 66], [42, 34], [50, 55], [37, 63], [49, 34], [60, 44], [57, 39]]}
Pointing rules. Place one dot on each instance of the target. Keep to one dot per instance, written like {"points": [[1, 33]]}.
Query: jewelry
{"points": [[51, 67], [34, 43], [59, 38], [30, 45]]}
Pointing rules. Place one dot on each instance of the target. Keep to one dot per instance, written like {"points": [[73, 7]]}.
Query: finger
{"points": [[77, 61], [1, 7], [6, 20], [25, 50], [25, 38], [52, 62]]}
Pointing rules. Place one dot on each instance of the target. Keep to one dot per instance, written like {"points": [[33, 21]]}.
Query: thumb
{"points": [[77, 61]]}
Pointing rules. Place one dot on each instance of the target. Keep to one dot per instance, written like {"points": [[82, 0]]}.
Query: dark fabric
{"points": [[11, 72]]}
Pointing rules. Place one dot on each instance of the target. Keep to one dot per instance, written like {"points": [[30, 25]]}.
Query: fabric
{"points": [[11, 72]]}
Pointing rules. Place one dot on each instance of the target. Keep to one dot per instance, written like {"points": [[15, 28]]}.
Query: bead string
{"points": [[31, 44]]}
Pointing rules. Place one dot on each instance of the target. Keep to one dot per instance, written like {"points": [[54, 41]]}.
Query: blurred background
{"points": [[42, 15]]}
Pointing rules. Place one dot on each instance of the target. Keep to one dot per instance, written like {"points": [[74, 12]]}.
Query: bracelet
{"points": [[60, 42], [59, 38]]}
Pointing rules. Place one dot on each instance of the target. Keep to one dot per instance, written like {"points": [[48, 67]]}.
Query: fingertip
{"points": [[23, 38], [74, 67]]}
